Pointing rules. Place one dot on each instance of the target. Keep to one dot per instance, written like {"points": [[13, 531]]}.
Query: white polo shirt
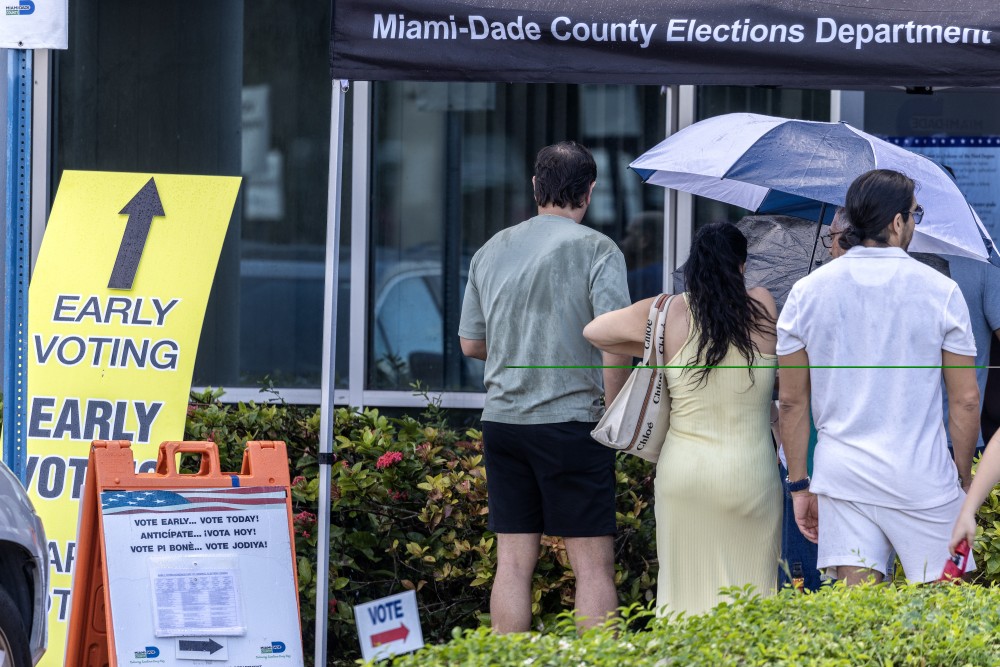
{"points": [[881, 436]]}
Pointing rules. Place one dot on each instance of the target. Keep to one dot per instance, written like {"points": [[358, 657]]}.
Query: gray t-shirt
{"points": [[532, 288], [980, 285]]}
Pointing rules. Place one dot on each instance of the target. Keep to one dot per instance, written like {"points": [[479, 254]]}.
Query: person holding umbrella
{"points": [[834, 239], [798, 554], [869, 338]]}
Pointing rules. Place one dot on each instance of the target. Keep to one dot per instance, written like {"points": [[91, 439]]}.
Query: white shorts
{"points": [[860, 535]]}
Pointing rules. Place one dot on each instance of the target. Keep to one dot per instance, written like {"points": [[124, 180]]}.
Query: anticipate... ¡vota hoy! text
{"points": [[565, 28]]}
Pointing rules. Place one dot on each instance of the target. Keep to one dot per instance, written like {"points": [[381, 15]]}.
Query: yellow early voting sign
{"points": [[115, 310]]}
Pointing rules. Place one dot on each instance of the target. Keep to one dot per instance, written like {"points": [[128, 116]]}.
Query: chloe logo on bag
{"points": [[645, 436]]}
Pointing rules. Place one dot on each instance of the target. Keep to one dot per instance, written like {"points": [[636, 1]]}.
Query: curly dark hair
{"points": [[720, 306], [564, 173]]}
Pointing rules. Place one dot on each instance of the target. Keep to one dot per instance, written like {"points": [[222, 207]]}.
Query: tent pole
{"points": [[329, 365], [17, 253], [671, 95]]}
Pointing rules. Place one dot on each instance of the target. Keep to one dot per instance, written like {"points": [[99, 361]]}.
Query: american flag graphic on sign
{"points": [[193, 500]]}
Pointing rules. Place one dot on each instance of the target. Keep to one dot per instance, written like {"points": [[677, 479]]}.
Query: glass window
{"points": [[451, 166], [224, 88], [960, 129], [713, 101]]}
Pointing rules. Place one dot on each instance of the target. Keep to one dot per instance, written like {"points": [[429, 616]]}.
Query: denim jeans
{"points": [[796, 551]]}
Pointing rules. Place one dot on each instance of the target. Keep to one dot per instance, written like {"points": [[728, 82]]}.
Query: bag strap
{"points": [[657, 311], [661, 328]]}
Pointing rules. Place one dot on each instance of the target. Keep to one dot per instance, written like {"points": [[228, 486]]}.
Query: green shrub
{"points": [[867, 625], [408, 511], [418, 520], [987, 548]]}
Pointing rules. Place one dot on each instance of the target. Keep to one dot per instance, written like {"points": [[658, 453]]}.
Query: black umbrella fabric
{"points": [[781, 249]]}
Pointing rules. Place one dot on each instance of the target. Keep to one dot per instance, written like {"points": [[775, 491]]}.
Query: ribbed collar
{"points": [[862, 252]]}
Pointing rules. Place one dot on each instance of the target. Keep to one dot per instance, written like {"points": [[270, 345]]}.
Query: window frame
{"points": [[680, 112]]}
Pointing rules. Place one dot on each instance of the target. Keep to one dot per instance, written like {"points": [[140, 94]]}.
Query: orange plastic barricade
{"points": [[174, 568]]}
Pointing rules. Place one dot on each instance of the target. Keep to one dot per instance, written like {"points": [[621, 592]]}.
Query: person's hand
{"points": [[965, 529], [806, 514], [966, 483]]}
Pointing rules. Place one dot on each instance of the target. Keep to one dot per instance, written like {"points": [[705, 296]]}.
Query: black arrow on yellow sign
{"points": [[141, 210]]}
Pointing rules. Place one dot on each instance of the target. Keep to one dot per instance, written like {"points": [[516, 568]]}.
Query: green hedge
{"points": [[867, 625], [408, 511]]}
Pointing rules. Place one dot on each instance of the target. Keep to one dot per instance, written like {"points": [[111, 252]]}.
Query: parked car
{"points": [[24, 576], [406, 333]]}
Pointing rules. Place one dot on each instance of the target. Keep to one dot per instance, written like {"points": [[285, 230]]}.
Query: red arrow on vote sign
{"points": [[394, 635]]}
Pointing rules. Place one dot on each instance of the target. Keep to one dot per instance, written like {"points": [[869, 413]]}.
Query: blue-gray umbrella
{"points": [[803, 168]]}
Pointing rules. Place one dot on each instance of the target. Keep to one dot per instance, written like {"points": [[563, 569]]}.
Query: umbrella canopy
{"points": [[780, 250], [803, 168]]}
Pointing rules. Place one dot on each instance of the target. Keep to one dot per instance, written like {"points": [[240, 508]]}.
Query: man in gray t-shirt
{"points": [[532, 288]]}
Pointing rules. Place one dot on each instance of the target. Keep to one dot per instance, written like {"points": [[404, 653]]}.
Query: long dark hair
{"points": [[720, 306]]}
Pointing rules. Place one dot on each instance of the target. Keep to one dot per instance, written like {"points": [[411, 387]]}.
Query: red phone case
{"points": [[955, 567]]}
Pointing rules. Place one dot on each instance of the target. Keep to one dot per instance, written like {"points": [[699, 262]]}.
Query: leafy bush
{"points": [[866, 625], [408, 511], [987, 548]]}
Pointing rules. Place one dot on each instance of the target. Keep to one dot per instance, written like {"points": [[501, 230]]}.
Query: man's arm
{"points": [[793, 424], [475, 348], [614, 378], [963, 410]]}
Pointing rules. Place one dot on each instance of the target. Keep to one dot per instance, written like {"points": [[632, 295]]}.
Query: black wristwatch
{"points": [[800, 485]]}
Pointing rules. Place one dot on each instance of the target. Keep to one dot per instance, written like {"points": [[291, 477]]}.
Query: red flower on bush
{"points": [[398, 495], [299, 479], [388, 459], [304, 517]]}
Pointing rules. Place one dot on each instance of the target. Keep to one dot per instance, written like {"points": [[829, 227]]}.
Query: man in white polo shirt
{"points": [[870, 336]]}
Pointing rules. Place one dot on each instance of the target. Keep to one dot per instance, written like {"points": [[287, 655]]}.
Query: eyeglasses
{"points": [[829, 239], [917, 214]]}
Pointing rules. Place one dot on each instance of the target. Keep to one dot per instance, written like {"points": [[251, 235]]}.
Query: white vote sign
{"points": [[201, 576], [389, 626]]}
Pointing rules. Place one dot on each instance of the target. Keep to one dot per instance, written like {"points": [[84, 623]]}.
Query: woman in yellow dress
{"points": [[718, 496]]}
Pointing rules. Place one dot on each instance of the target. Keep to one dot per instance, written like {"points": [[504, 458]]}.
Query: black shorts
{"points": [[549, 478]]}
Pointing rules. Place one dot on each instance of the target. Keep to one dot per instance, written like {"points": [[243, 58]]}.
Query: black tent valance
{"points": [[799, 43]]}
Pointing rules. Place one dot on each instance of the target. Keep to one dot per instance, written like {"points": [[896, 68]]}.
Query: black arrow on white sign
{"points": [[141, 210], [210, 646]]}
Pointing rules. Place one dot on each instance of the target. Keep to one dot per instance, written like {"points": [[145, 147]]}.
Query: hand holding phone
{"points": [[955, 567]]}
